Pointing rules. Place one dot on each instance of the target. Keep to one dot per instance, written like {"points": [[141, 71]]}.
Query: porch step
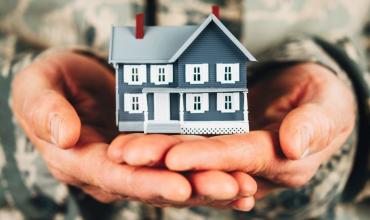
{"points": [[163, 127]]}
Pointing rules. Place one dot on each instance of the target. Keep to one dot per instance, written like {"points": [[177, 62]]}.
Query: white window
{"points": [[197, 103], [227, 73], [161, 74], [134, 74], [134, 103], [196, 73], [228, 102]]}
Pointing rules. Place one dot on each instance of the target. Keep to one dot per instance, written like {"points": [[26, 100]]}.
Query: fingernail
{"points": [[55, 122], [305, 139]]}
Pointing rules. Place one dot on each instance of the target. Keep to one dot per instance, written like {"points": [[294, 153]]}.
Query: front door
{"points": [[161, 106]]}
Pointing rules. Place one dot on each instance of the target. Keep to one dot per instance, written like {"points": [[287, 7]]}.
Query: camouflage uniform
{"points": [[29, 27]]}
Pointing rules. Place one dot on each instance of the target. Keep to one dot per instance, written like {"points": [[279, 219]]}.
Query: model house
{"points": [[187, 79]]}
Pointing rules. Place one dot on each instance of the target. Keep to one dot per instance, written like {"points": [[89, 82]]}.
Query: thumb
{"points": [[306, 130], [53, 119]]}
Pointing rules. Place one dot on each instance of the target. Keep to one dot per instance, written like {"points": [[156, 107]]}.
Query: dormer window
{"points": [[161, 74], [227, 73], [196, 73], [134, 74]]}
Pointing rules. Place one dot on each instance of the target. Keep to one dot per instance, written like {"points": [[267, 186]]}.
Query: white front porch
{"points": [[197, 127], [161, 122]]}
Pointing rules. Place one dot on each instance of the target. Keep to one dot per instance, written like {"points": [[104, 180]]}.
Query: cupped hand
{"points": [[65, 104], [301, 116], [209, 188]]}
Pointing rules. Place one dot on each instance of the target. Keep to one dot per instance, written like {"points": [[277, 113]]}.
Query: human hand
{"points": [[209, 188], [65, 104], [301, 116]]}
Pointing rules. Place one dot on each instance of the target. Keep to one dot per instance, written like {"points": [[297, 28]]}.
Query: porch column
{"points": [[145, 112], [181, 108], [245, 110]]}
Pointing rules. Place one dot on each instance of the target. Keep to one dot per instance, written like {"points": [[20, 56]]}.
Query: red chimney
{"points": [[140, 26], [216, 11]]}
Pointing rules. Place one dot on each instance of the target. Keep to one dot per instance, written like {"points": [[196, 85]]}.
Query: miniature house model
{"points": [[187, 80]]}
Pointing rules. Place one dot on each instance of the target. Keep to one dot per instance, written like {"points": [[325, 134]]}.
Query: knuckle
{"points": [[103, 198], [62, 177], [298, 180]]}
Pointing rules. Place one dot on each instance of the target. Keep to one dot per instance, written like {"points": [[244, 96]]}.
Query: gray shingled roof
{"points": [[161, 44]]}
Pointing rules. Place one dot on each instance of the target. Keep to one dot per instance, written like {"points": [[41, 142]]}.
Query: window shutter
{"points": [[220, 72], [142, 73], [204, 72], [142, 102], [169, 73], [188, 72], [220, 102], [205, 102], [127, 100], [126, 73], [153, 74], [189, 102], [236, 101], [235, 72]]}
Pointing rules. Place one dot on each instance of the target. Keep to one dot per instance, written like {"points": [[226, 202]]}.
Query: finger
{"points": [[214, 185], [143, 150], [115, 150], [302, 134], [247, 185], [144, 183], [44, 110], [244, 204], [135, 182], [100, 195], [250, 153], [90, 165], [52, 118], [321, 115]]}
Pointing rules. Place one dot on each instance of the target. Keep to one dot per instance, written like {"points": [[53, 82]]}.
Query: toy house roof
{"points": [[161, 44]]}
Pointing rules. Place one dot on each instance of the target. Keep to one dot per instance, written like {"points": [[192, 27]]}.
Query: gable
{"points": [[212, 46], [218, 25]]}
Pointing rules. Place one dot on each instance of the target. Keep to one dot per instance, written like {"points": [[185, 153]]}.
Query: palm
{"points": [[90, 89], [272, 99]]}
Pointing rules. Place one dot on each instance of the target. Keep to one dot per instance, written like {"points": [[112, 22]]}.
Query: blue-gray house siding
{"points": [[212, 46]]}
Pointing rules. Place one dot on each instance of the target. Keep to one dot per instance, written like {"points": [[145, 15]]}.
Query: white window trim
{"points": [[127, 74], [168, 74], [235, 102], [128, 98], [189, 73], [220, 73], [204, 102]]}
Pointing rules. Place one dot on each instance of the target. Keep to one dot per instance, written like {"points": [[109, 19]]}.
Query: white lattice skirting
{"points": [[215, 127]]}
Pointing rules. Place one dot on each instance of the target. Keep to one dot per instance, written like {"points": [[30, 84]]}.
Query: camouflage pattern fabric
{"points": [[29, 27]]}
